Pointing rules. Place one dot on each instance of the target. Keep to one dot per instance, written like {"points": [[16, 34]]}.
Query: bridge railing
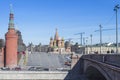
{"points": [[112, 59]]}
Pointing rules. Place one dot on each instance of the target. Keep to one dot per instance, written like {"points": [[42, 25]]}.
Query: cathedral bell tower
{"points": [[11, 38]]}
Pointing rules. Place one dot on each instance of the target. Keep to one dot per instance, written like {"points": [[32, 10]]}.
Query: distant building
{"points": [[37, 48], [21, 45], [94, 49], [68, 46], [31, 47], [44, 48], [57, 44], [21, 49], [2, 45]]}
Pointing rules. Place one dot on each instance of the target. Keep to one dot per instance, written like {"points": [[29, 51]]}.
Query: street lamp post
{"points": [[91, 41], [85, 44], [100, 39], [116, 10], [82, 36]]}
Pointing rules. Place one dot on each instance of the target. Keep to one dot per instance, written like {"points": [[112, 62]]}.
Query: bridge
{"points": [[100, 66]]}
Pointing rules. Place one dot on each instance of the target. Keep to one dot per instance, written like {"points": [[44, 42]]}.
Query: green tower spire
{"points": [[11, 18]]}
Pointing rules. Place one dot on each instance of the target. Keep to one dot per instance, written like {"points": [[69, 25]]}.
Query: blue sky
{"points": [[38, 19]]}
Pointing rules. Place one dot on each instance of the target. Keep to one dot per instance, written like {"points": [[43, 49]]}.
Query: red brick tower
{"points": [[11, 43]]}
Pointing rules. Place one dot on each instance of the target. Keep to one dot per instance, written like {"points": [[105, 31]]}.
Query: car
{"points": [[17, 68], [59, 69], [63, 69], [38, 69], [46, 69], [32, 69], [5, 68]]}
